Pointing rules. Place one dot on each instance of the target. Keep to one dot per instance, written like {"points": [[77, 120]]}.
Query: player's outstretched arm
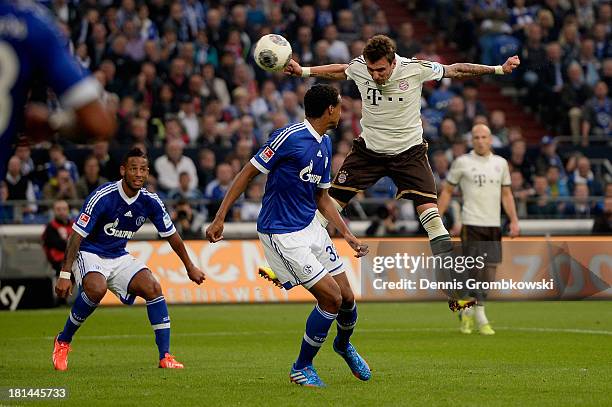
{"points": [[214, 231], [465, 70], [328, 210], [332, 72], [195, 274], [63, 287], [510, 209]]}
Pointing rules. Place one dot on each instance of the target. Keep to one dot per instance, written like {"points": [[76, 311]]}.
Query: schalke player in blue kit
{"points": [[31, 46], [297, 160], [96, 256]]}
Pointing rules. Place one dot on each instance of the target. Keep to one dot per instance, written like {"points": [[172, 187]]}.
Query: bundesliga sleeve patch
{"points": [[266, 154], [167, 221], [83, 220]]}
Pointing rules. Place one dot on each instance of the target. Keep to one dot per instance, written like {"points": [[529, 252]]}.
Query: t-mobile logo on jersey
{"points": [[480, 179], [305, 175], [376, 96]]}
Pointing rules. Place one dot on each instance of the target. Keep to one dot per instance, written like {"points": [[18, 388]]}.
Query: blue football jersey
{"points": [[298, 161], [32, 46], [109, 218]]}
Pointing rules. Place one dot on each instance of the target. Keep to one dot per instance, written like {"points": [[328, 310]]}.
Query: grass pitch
{"points": [[544, 353]]}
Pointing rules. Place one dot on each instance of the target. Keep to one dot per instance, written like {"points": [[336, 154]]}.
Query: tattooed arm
{"points": [[465, 70]]}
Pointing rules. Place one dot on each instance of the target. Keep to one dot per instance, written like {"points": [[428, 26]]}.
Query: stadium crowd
{"points": [[181, 80]]}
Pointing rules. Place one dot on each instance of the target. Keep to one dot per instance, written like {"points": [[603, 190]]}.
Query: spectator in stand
{"points": [[573, 96], [60, 187], [185, 190], [548, 156], [217, 188], [541, 204], [346, 27], [583, 175], [91, 178], [58, 160], [498, 127], [533, 57], [292, 108], [557, 184], [456, 111], [189, 120], [364, 12], [19, 187], [138, 132], [249, 209], [214, 87], [440, 166], [589, 63], [206, 167], [457, 149], [56, 235], [406, 44], [570, 42], [581, 206], [170, 165], [188, 221], [521, 192], [24, 153], [473, 106], [518, 159], [597, 116], [603, 221], [6, 210], [338, 51], [521, 17], [109, 168]]}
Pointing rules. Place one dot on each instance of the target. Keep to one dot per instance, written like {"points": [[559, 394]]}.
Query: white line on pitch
{"points": [[365, 330]]}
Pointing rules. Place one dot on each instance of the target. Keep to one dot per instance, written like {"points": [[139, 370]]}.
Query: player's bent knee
{"points": [[151, 290], [348, 298], [94, 286], [333, 301]]}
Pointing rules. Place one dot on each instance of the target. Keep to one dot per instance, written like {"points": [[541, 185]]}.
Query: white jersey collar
{"points": [[126, 198], [312, 131]]}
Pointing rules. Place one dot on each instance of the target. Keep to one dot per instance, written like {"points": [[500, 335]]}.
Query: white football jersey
{"points": [[480, 179], [391, 113]]}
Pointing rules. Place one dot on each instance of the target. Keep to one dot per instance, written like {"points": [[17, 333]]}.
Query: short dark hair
{"points": [[134, 152], [379, 46], [318, 98]]}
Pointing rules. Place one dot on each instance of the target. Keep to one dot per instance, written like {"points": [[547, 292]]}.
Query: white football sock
{"points": [[479, 313]]}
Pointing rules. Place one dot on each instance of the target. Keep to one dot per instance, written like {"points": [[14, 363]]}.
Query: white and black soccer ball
{"points": [[272, 52]]}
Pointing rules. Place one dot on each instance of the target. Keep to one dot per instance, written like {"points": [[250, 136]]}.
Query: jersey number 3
{"points": [[9, 69]]}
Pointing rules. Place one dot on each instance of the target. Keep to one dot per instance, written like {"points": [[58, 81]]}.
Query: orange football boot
{"points": [[168, 362], [60, 354]]}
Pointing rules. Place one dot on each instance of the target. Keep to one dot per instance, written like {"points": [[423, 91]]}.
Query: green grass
{"points": [[544, 353]]}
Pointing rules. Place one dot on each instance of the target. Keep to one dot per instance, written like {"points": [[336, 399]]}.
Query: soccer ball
{"points": [[272, 52]]}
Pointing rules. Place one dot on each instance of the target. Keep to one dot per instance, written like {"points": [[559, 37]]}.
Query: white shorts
{"points": [[118, 272], [303, 257]]}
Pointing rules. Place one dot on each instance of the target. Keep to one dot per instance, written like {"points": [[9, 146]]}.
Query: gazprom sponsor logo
{"points": [[307, 176], [111, 230]]}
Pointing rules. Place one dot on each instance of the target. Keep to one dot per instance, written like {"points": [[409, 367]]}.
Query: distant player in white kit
{"points": [[391, 143], [96, 256], [484, 180], [297, 160]]}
